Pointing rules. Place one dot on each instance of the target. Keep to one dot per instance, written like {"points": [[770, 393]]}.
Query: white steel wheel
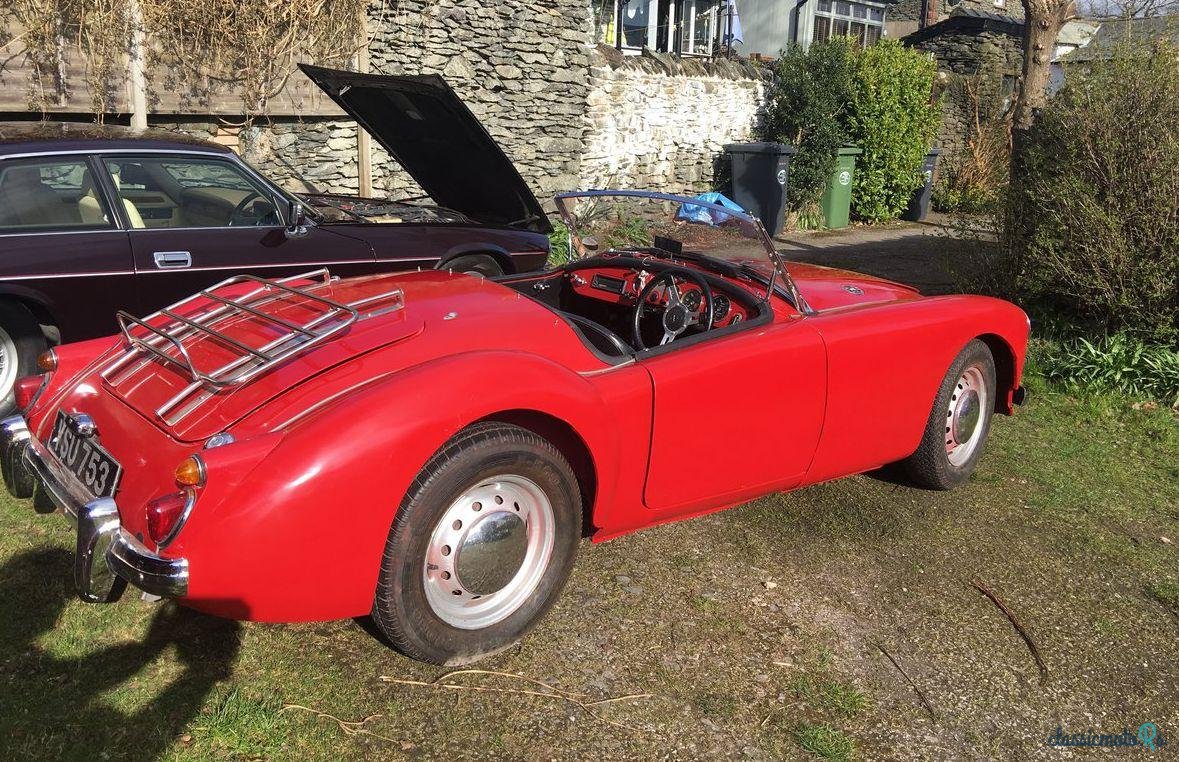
{"points": [[489, 552], [21, 340], [481, 545], [9, 363], [964, 415], [959, 421]]}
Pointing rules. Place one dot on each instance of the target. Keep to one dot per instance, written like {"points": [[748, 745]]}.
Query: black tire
{"points": [[19, 331], [402, 610], [475, 264], [931, 466]]}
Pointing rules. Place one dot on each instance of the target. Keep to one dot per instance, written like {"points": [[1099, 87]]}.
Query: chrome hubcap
{"points": [[964, 418], [489, 552]]}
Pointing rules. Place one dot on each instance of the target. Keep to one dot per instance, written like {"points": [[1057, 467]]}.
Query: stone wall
{"points": [[979, 62], [659, 122], [568, 114]]}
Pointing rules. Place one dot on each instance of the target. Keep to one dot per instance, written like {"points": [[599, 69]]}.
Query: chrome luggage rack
{"points": [[334, 318]]}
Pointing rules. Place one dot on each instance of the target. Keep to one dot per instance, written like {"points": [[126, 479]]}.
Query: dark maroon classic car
{"points": [[95, 219]]}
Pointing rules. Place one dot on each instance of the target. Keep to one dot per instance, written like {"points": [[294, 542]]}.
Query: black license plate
{"points": [[85, 458]]}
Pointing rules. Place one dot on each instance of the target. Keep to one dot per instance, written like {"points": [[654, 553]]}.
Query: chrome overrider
{"points": [[107, 556]]}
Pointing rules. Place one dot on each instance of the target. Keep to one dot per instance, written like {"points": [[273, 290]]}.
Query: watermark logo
{"points": [[1148, 734], [1148, 738]]}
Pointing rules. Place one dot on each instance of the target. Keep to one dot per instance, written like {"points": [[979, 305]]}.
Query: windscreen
{"points": [[639, 223]]}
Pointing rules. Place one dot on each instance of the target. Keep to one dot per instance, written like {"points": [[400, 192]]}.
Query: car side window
{"points": [[50, 194], [190, 192]]}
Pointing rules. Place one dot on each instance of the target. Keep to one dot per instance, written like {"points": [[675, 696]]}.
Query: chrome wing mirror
{"points": [[296, 220]]}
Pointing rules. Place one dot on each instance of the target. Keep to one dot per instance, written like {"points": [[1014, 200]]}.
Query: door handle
{"points": [[170, 260]]}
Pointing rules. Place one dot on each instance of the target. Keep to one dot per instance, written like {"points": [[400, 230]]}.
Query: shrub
{"points": [[1093, 218], [892, 120], [806, 108]]}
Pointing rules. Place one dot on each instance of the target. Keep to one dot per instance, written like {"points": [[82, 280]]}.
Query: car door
{"points": [[196, 219], [735, 416], [61, 248]]}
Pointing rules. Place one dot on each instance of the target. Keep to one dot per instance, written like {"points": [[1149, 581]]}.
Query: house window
{"points": [[684, 27], [840, 18]]}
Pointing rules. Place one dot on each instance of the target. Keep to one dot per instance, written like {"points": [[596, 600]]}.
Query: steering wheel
{"points": [[238, 211], [677, 316]]}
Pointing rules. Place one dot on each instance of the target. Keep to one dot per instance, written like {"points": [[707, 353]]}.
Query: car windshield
{"points": [[641, 223]]}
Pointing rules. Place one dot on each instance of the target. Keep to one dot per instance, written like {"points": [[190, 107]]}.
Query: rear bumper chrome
{"points": [[107, 556]]}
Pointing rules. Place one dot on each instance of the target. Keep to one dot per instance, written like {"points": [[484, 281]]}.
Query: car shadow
{"points": [[55, 706]]}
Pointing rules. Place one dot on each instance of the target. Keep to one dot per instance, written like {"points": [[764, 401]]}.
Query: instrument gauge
{"points": [[720, 306], [691, 300]]}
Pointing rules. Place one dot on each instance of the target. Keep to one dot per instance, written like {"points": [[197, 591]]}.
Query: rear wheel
{"points": [[21, 341], [480, 548], [475, 264], [959, 423]]}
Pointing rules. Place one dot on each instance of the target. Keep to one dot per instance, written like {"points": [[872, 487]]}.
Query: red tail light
{"points": [[165, 515], [25, 391]]}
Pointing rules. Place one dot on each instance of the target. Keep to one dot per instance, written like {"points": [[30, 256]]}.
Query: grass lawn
{"points": [[759, 632]]}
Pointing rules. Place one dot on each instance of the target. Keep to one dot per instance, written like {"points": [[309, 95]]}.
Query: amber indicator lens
{"points": [[190, 472], [47, 361]]}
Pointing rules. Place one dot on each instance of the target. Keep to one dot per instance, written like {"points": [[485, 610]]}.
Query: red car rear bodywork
{"points": [[292, 518]]}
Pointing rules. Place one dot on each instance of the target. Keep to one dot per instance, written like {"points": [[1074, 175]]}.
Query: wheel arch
{"points": [[364, 451], [497, 253], [32, 301], [571, 445], [1005, 370]]}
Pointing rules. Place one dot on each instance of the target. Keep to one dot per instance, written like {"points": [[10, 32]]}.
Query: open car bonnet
{"points": [[424, 125]]}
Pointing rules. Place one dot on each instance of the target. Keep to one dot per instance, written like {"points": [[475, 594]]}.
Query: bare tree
{"points": [[1043, 20], [1127, 8]]}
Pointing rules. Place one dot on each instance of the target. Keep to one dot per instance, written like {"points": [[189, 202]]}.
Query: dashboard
{"points": [[621, 286]]}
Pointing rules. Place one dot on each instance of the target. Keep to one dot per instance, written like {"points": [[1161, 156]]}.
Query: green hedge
{"points": [[894, 122], [878, 98]]}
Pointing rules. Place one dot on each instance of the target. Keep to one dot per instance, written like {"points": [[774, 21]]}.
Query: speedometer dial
{"points": [[720, 306], [691, 300]]}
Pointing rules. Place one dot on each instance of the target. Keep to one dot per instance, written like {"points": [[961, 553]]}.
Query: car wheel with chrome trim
{"points": [[481, 546], [959, 423], [20, 343]]}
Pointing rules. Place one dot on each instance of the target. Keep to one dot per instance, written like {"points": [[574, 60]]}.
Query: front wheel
{"points": [[480, 547], [959, 423]]}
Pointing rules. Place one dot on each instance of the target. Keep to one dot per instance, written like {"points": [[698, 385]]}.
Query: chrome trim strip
{"points": [[64, 232]]}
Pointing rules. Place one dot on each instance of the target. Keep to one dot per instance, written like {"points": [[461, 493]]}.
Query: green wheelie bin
{"points": [[836, 201]]}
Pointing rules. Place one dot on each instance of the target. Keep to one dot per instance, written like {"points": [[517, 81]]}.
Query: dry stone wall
{"points": [[568, 113]]}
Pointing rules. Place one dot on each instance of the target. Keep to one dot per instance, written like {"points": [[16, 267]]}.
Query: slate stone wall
{"points": [[658, 122], [568, 114], [974, 61]]}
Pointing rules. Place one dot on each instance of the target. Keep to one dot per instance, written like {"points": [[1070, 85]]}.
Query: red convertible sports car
{"points": [[429, 447]]}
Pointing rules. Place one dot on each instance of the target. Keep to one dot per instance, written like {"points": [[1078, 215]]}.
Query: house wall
{"points": [[766, 25]]}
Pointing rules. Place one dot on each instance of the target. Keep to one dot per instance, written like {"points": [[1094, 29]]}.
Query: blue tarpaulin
{"points": [[704, 215]]}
